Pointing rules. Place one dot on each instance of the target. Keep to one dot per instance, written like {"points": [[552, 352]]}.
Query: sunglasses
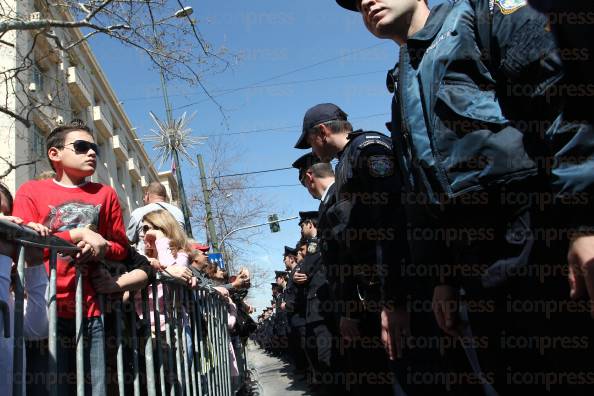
{"points": [[146, 228], [83, 147]]}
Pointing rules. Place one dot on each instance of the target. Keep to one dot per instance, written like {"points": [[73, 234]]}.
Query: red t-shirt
{"points": [[63, 208]]}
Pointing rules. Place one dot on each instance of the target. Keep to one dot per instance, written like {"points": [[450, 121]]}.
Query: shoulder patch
{"points": [[373, 140], [380, 165], [510, 6]]}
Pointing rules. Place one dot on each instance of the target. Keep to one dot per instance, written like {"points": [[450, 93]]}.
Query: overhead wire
{"points": [[292, 127]]}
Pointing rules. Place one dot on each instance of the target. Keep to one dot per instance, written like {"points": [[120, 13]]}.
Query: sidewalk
{"points": [[273, 374]]}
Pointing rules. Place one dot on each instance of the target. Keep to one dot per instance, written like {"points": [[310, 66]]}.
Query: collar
{"points": [[434, 22], [67, 186], [325, 194]]}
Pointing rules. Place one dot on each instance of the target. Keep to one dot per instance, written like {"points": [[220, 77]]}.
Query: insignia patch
{"points": [[510, 6], [374, 141], [380, 166]]}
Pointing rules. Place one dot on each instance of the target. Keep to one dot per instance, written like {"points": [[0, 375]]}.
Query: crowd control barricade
{"points": [[188, 356]]}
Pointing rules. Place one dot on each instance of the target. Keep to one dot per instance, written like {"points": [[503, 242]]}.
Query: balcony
{"points": [[102, 120], [134, 169], [119, 147], [78, 83], [143, 182]]}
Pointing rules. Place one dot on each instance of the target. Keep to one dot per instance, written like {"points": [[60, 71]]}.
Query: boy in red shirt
{"points": [[89, 215]]}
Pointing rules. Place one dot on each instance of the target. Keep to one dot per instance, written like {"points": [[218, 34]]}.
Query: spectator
{"points": [[89, 215], [35, 323], [165, 241], [155, 198]]}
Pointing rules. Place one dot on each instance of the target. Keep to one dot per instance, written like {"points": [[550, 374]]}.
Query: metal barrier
{"points": [[190, 357]]}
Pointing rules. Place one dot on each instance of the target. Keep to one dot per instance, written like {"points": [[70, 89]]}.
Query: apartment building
{"points": [[63, 86]]}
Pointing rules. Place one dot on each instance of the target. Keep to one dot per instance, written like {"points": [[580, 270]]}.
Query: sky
{"points": [[299, 54]]}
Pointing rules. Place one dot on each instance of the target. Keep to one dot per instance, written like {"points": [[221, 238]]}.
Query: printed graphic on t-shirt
{"points": [[70, 215]]}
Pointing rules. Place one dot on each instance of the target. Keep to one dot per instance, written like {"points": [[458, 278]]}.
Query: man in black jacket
{"points": [[364, 224], [497, 182]]}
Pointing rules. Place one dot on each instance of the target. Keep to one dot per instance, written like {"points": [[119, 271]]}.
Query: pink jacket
{"points": [[166, 258]]}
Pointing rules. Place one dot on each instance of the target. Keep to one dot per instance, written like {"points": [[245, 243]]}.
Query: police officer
{"points": [[295, 306], [364, 221], [497, 184], [318, 316]]}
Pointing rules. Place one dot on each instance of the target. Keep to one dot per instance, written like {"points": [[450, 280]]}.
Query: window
{"points": [[37, 142], [37, 77], [121, 176]]}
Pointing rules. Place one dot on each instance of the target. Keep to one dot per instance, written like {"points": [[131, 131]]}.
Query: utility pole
{"points": [[209, 220], [173, 136]]}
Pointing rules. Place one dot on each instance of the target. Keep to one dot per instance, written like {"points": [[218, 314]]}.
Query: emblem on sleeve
{"points": [[510, 6], [380, 166]]}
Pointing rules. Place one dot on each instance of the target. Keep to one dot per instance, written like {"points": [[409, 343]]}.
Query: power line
{"points": [[292, 127], [228, 90], [285, 74], [255, 187], [250, 173]]}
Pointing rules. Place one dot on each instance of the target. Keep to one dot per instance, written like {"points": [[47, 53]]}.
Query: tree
{"points": [[39, 41], [234, 205]]}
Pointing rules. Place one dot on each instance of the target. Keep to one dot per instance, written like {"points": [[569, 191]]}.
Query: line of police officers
{"points": [[438, 263]]}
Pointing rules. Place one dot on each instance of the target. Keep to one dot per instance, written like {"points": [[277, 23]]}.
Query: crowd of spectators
{"points": [[114, 262]]}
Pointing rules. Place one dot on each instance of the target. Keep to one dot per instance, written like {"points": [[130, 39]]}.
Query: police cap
{"points": [[289, 251], [305, 162], [348, 4], [280, 274], [305, 216], [318, 114]]}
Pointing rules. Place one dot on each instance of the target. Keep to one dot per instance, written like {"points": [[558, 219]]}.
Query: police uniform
{"points": [[362, 227], [489, 170], [295, 304]]}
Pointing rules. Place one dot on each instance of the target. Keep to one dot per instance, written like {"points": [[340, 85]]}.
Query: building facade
{"points": [[57, 86]]}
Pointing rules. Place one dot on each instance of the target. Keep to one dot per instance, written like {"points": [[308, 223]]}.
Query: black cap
{"points": [[316, 115], [305, 162], [280, 274], [289, 251], [304, 216], [274, 285], [348, 4]]}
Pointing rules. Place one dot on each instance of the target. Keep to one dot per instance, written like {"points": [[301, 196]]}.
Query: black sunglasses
{"points": [[83, 147], [146, 228]]}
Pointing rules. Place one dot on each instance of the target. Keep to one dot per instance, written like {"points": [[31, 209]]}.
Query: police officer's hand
{"points": [[299, 278], [395, 328], [445, 308], [581, 269], [349, 328]]}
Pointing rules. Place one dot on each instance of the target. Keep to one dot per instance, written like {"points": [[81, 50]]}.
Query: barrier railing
{"points": [[189, 357]]}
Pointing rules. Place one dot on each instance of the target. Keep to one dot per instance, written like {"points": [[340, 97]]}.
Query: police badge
{"points": [[510, 6], [312, 247], [380, 165]]}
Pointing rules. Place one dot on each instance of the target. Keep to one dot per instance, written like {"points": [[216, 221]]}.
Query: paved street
{"points": [[274, 375]]}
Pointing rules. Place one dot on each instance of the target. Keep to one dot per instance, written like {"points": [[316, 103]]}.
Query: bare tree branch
{"points": [[12, 166]]}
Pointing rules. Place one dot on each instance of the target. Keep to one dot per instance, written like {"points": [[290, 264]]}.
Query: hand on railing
{"points": [[39, 228], [94, 247], [32, 256], [180, 274]]}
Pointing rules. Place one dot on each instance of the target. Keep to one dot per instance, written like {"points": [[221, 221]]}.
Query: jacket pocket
{"points": [[476, 144]]}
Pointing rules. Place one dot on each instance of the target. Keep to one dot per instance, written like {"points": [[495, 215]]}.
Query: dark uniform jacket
{"points": [[316, 288], [295, 300], [363, 224], [477, 110]]}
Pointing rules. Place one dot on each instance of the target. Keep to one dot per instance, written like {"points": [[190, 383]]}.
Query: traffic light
{"points": [[273, 222]]}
